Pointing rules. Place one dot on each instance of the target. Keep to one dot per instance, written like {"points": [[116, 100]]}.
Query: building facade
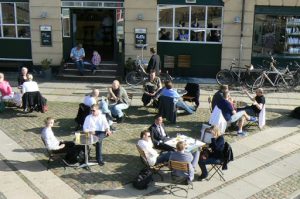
{"points": [[193, 37]]}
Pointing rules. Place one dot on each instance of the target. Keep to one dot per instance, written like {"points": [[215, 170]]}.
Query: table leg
{"points": [[87, 163]]}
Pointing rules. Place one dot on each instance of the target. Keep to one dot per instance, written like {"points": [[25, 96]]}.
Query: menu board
{"points": [[46, 35], [140, 37]]}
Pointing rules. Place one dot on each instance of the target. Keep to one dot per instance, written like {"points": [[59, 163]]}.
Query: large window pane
{"points": [[166, 17], [66, 22], [182, 35], [198, 17], [197, 35], [213, 35], [214, 17], [22, 13], [9, 31], [24, 31], [8, 14], [166, 34], [182, 17]]}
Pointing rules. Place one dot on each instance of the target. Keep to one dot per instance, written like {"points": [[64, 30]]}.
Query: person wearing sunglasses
{"points": [[97, 124]]}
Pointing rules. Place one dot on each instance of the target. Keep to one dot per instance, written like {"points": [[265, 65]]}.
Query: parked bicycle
{"points": [[237, 75]]}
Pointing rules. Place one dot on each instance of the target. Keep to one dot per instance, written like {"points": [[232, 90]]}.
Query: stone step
{"points": [[98, 72], [104, 66], [88, 78]]}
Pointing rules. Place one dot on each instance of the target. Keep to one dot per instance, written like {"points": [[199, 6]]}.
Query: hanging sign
{"points": [[140, 37], [46, 35]]}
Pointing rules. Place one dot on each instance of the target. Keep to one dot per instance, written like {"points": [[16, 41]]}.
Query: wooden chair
{"points": [[209, 100], [156, 168], [179, 180], [54, 156]]}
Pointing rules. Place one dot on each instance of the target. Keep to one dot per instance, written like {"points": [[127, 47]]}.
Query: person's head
{"points": [[224, 88], [226, 95], [1, 77], [115, 85], [95, 52], [180, 146], [158, 120], [215, 130], [24, 71], [49, 122], [152, 50], [259, 92], [145, 135], [95, 109], [79, 45], [29, 77], [95, 92], [152, 74], [168, 84]]}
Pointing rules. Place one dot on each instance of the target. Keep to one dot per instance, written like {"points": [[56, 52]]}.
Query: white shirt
{"points": [[89, 100], [161, 130], [51, 141], [150, 153], [95, 123], [30, 86]]}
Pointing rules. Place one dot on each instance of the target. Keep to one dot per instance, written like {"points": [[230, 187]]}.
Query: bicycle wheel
{"points": [[281, 83], [258, 83], [250, 79], [133, 78], [224, 77]]}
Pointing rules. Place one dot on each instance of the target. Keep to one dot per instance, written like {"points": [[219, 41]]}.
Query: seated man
{"points": [[152, 156], [97, 124], [258, 102], [7, 94], [230, 115], [22, 77], [218, 96], [159, 135], [77, 55], [181, 156], [170, 92], [118, 99], [151, 87]]}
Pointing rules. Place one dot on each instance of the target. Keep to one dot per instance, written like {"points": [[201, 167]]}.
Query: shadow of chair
{"points": [[178, 181], [53, 156], [156, 168]]}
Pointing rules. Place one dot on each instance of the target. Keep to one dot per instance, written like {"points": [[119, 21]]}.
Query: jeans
{"points": [[103, 106], [210, 160], [163, 157], [236, 116], [183, 105], [101, 135], [116, 110], [80, 66], [195, 160]]}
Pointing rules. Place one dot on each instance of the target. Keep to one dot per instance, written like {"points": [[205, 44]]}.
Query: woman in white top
{"points": [[29, 85]]}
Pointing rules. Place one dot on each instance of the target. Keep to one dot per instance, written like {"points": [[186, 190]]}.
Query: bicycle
{"points": [[237, 75], [139, 76]]}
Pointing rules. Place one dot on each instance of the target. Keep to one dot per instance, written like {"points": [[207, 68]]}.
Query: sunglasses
{"points": [[93, 110]]}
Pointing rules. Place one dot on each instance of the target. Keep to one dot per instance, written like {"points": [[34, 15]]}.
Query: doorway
{"points": [[95, 30]]}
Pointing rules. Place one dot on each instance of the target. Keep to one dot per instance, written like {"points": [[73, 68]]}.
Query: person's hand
{"points": [[151, 94], [108, 133], [61, 146]]}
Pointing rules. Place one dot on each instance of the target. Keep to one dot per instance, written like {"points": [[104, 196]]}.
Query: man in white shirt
{"points": [[152, 156], [96, 123]]}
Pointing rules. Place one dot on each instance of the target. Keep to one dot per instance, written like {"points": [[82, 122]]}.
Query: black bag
{"points": [[75, 155], [143, 179], [296, 113]]}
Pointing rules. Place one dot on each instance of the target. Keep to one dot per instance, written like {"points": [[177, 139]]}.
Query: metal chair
{"points": [[54, 156], [179, 180], [156, 168]]}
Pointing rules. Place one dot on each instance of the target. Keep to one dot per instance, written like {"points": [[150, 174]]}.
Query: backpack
{"points": [[143, 179], [75, 155]]}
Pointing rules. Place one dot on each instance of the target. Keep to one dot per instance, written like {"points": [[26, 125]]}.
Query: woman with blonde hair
{"points": [[216, 154], [29, 85]]}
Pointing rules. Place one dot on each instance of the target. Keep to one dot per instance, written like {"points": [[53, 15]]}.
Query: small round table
{"points": [[86, 140]]}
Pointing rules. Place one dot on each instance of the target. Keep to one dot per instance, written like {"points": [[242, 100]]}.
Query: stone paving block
{"points": [[262, 179]]}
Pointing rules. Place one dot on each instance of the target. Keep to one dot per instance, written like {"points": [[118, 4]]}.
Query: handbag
{"points": [[204, 154]]}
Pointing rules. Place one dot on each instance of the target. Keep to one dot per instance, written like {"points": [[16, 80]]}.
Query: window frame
{"points": [[190, 28], [16, 24]]}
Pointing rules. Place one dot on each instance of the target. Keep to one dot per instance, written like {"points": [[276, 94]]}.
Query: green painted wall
{"points": [[198, 2], [206, 58], [15, 48]]}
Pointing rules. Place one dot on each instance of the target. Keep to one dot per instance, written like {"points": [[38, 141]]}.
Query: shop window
{"points": [[14, 20], [197, 24], [276, 35], [66, 22]]}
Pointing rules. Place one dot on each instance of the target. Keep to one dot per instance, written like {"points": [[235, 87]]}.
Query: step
{"points": [[88, 78], [102, 72], [109, 65]]}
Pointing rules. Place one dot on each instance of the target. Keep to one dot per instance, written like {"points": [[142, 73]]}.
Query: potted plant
{"points": [[46, 68]]}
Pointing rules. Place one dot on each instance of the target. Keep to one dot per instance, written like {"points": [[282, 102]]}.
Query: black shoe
{"points": [[120, 119], [101, 163], [188, 182], [201, 177]]}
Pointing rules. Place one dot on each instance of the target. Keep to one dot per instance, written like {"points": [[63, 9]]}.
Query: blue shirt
{"points": [[77, 54], [226, 109], [170, 93]]}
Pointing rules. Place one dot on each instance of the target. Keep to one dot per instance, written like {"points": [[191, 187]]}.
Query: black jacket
{"points": [[167, 108], [34, 101], [154, 64], [228, 155], [156, 136], [217, 147]]}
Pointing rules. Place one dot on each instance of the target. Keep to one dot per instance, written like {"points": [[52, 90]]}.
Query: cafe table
{"points": [[86, 139], [192, 144]]}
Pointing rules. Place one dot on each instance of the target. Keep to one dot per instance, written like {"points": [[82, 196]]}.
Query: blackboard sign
{"points": [[46, 35], [140, 37]]}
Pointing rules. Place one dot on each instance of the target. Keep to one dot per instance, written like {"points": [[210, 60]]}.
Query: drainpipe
{"points": [[242, 33]]}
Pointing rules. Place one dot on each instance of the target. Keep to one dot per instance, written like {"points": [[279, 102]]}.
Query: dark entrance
{"points": [[95, 30]]}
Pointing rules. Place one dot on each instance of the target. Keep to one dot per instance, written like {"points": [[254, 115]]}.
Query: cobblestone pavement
{"points": [[122, 160], [282, 189]]}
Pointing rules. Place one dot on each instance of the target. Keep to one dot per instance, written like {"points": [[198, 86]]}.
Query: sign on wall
{"points": [[46, 35], [140, 37]]}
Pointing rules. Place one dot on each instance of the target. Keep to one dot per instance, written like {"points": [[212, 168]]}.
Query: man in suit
{"points": [[159, 135]]}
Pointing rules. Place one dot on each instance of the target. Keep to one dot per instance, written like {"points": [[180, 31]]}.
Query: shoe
{"points": [[188, 182], [242, 133], [201, 177], [101, 163], [253, 119]]}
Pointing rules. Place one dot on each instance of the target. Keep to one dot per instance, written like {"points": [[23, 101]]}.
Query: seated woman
{"points": [[151, 87], [118, 100], [29, 85], [56, 146], [216, 154], [7, 94]]}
